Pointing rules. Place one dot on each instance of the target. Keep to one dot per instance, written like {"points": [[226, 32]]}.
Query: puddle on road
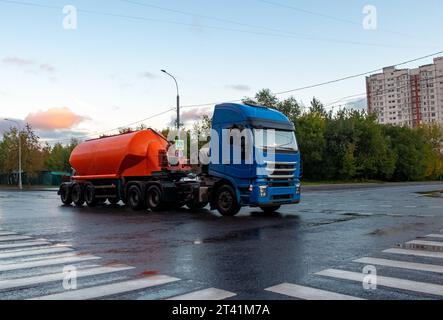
{"points": [[432, 194]]}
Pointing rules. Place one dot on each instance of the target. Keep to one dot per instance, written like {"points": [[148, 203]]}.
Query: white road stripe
{"points": [[14, 238], [435, 235], [36, 280], [402, 284], [7, 233], [23, 244], [402, 264], [39, 258], [418, 253], [45, 262], [110, 289], [422, 244], [205, 294], [308, 293], [25, 253]]}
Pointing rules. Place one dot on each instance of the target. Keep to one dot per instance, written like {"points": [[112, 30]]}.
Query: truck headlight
{"points": [[263, 191], [297, 188]]}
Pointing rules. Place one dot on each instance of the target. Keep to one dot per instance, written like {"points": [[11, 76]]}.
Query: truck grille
{"points": [[280, 170]]}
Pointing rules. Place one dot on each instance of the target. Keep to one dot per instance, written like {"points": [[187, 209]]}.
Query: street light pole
{"points": [[178, 98], [20, 186]]}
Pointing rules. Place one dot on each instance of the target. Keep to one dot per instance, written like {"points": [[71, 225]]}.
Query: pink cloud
{"points": [[54, 118]]}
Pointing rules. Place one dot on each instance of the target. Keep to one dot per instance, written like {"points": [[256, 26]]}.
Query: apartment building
{"points": [[407, 97]]}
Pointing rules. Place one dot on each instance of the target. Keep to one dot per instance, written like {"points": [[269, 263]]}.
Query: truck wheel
{"points": [[226, 201], [154, 198], [91, 201], [135, 198], [270, 209], [77, 194], [65, 195]]}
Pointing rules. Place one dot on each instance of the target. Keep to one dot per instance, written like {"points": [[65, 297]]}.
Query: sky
{"points": [[105, 73]]}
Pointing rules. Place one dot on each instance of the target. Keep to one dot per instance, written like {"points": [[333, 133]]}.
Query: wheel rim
{"points": [[89, 194], [225, 200], [135, 199], [154, 198], [64, 194]]}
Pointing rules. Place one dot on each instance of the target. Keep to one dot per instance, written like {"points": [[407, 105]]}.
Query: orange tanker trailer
{"points": [[131, 167]]}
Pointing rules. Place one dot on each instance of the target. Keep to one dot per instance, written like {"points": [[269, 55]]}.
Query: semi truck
{"points": [[134, 168]]}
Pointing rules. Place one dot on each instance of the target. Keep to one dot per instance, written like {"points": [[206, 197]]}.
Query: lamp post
{"points": [[20, 186], [178, 98]]}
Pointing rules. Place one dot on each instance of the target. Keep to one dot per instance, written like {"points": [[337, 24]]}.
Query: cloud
{"points": [[239, 87], [54, 119], [193, 115], [6, 125], [47, 68], [148, 75], [18, 61], [32, 67], [62, 136]]}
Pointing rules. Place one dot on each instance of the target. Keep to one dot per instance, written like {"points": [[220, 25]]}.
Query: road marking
{"points": [[434, 235], [46, 257], [45, 262], [410, 206], [23, 244], [110, 289], [307, 293], [25, 253], [14, 238], [7, 233], [36, 280], [205, 294], [389, 282], [418, 253], [402, 264], [422, 244]]}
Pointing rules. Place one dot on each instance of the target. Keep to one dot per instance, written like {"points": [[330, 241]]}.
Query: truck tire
{"points": [[271, 209], [154, 198], [135, 198], [226, 201], [65, 195], [78, 197], [90, 199]]}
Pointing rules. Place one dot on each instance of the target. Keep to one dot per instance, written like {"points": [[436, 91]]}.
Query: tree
{"points": [[33, 154], [58, 157], [317, 107], [265, 98]]}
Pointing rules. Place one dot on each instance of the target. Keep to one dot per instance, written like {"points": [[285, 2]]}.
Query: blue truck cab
{"points": [[255, 158]]}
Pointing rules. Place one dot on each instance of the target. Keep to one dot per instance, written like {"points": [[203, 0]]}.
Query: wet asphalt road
{"points": [[243, 255]]}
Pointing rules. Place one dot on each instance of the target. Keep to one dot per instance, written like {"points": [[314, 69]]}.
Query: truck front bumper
{"points": [[264, 195]]}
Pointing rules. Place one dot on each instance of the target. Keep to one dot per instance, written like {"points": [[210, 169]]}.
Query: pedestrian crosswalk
{"points": [[308, 293], [34, 269], [30, 267], [399, 260]]}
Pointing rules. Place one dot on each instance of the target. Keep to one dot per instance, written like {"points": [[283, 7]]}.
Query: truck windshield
{"points": [[276, 139]]}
